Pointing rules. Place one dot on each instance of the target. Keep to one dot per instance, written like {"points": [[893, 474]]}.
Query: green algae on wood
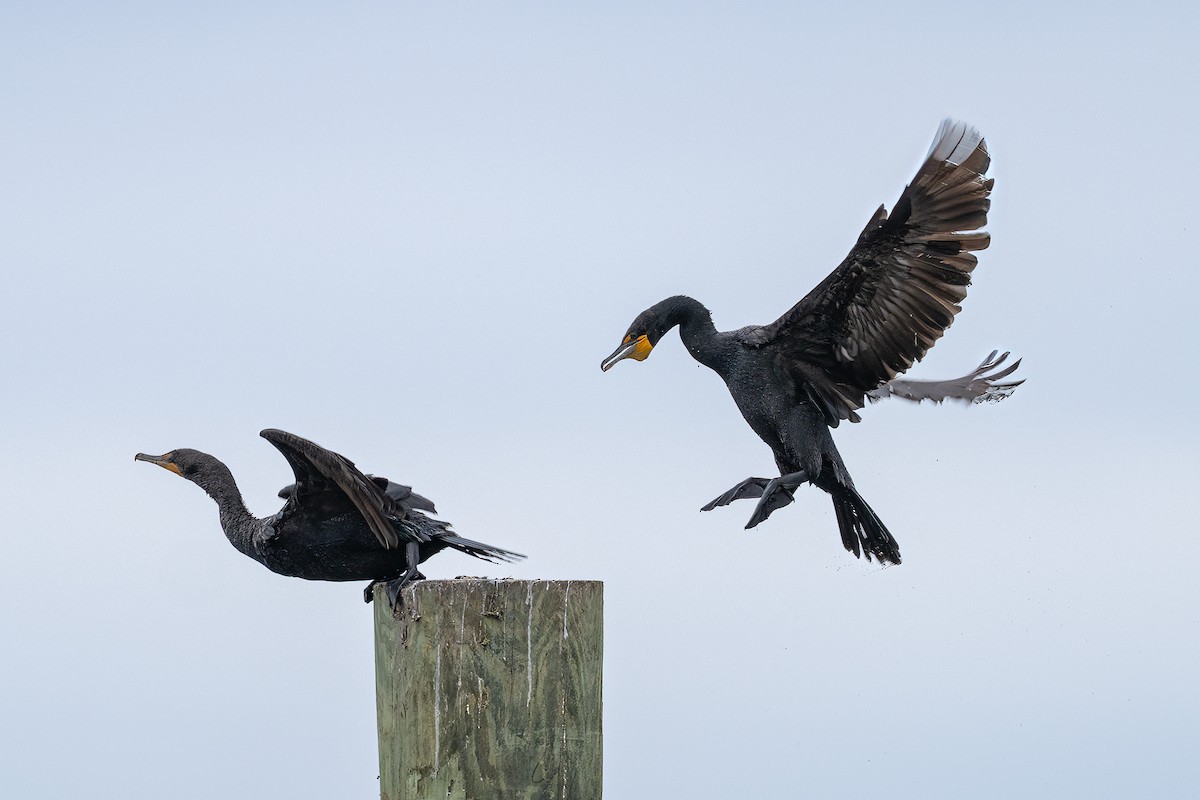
{"points": [[490, 689]]}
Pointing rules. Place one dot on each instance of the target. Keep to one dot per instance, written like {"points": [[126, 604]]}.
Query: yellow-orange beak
{"points": [[638, 349], [163, 461]]}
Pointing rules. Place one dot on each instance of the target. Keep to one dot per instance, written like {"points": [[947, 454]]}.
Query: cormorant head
{"points": [[641, 337], [190, 464]]}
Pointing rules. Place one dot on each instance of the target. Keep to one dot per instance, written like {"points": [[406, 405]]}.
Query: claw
{"points": [[393, 588]]}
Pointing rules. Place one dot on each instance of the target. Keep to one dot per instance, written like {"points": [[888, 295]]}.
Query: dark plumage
{"points": [[874, 316], [337, 524]]}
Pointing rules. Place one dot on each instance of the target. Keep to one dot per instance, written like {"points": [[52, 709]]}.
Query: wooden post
{"points": [[490, 689]]}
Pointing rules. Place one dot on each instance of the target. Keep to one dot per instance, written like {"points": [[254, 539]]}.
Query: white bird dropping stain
{"points": [[462, 627], [566, 599], [437, 708], [529, 644]]}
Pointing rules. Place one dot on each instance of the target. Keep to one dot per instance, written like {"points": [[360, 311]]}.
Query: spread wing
{"points": [[978, 386], [899, 288], [318, 469], [404, 495]]}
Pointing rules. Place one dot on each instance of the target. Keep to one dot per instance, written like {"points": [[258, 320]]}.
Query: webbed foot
{"points": [[775, 495], [369, 592], [749, 488], [392, 590], [393, 586]]}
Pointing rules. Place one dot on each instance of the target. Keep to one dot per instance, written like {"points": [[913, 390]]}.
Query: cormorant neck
{"points": [[696, 328], [236, 520]]}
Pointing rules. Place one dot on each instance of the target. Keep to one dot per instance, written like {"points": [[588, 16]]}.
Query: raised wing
{"points": [[317, 468], [977, 386], [899, 288], [404, 495]]}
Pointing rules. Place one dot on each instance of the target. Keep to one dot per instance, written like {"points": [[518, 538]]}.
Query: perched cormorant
{"points": [[337, 524], [847, 340]]}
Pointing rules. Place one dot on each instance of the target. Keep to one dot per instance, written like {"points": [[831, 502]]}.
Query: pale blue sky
{"points": [[410, 232]]}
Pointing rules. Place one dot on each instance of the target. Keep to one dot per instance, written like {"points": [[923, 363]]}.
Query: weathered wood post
{"points": [[490, 689]]}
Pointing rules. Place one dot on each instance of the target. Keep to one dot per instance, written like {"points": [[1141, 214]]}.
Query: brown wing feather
{"points": [[314, 464], [898, 290]]}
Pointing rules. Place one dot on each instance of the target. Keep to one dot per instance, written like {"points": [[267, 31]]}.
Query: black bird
{"points": [[847, 340], [337, 524]]}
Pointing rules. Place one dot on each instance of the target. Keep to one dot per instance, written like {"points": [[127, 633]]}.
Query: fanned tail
{"points": [[863, 533]]}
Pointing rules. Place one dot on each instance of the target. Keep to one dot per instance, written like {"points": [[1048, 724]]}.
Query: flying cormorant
{"points": [[874, 316], [337, 524]]}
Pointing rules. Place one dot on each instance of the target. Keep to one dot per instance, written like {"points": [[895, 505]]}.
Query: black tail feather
{"points": [[480, 550], [863, 533]]}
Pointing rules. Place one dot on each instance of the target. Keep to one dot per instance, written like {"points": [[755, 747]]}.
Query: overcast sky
{"points": [[410, 232]]}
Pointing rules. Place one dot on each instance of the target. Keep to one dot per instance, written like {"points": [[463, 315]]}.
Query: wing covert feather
{"points": [[899, 288], [314, 466]]}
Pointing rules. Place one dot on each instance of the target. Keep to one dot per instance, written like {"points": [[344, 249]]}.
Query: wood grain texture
{"points": [[490, 689]]}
